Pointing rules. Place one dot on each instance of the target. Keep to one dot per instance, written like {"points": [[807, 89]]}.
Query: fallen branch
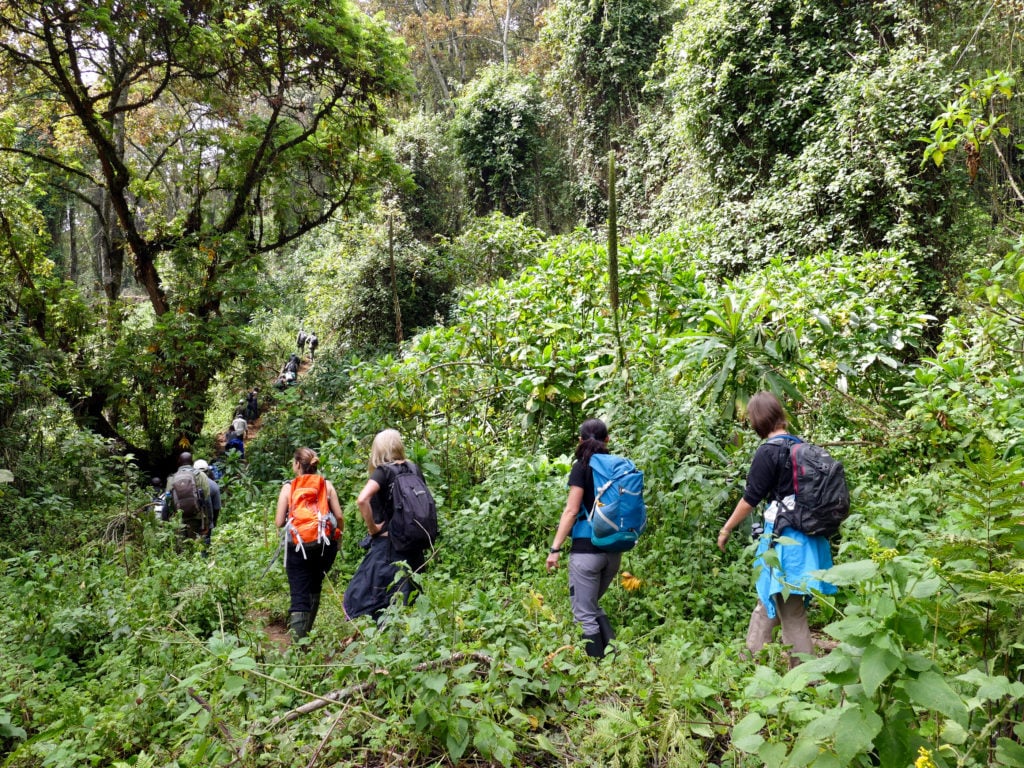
{"points": [[365, 687]]}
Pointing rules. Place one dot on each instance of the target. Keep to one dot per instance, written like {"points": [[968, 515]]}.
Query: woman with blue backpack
{"points": [[591, 570]]}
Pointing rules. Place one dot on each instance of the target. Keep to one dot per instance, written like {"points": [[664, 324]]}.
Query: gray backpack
{"points": [[185, 493]]}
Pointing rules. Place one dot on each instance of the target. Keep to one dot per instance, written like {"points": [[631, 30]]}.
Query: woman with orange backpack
{"points": [[310, 513]]}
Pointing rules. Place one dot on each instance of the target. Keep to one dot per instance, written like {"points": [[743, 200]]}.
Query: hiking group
{"points": [[401, 522], [604, 515], [807, 500]]}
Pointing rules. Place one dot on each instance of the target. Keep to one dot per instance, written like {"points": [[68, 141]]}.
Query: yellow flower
{"points": [[924, 758], [630, 583]]}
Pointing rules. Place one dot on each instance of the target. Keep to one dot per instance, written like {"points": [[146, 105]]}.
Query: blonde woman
{"points": [[309, 511], [373, 584]]}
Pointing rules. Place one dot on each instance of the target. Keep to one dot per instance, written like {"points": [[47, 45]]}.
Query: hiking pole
{"points": [[273, 558]]}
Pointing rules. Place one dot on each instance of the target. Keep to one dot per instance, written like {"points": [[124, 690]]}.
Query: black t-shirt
{"points": [[582, 476], [384, 476], [770, 475]]}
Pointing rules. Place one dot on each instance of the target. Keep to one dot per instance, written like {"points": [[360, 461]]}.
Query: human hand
{"points": [[552, 561], [723, 538]]}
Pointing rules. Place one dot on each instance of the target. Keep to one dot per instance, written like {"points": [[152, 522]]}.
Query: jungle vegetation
{"points": [[820, 198]]}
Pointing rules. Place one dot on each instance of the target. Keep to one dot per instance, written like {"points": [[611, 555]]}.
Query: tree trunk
{"points": [[613, 257], [72, 242], [394, 280]]}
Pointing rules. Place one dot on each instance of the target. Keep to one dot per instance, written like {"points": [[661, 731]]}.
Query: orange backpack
{"points": [[310, 520]]}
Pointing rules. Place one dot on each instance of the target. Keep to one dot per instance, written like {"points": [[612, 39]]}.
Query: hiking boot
{"points": [[594, 646], [299, 622], [607, 633]]}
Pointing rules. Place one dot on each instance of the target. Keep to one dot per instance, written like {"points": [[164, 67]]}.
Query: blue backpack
{"points": [[619, 514]]}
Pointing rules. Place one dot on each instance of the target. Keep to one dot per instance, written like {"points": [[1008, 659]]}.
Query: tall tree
{"points": [[203, 135]]}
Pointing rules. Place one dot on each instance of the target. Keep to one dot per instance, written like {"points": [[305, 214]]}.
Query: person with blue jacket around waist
{"points": [[782, 592]]}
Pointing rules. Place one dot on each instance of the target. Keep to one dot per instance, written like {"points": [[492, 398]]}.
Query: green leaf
{"points": [[1009, 753], [772, 755], [234, 684], [954, 733], [457, 738], [435, 682], [746, 736], [858, 726], [848, 574], [931, 691], [875, 666]]}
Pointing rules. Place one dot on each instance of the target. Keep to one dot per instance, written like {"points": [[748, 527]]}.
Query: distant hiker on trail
{"points": [[373, 584], [252, 405], [240, 426], [215, 505], [782, 593], [301, 340], [292, 365], [314, 342], [234, 441], [309, 512], [161, 510], [591, 570], [189, 492]]}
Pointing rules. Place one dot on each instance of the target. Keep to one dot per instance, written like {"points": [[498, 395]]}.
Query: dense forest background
{"points": [[501, 218]]}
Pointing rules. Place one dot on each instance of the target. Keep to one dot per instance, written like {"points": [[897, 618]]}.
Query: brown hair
{"points": [[765, 414], [307, 460]]}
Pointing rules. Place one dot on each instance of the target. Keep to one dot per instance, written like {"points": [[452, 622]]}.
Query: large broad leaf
{"points": [[875, 666], [746, 736], [1009, 753], [6, 476], [856, 733], [848, 574], [931, 691]]}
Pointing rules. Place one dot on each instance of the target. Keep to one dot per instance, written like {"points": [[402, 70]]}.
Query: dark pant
{"points": [[373, 584], [306, 576]]}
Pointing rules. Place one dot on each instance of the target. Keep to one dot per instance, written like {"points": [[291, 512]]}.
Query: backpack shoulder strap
{"points": [[785, 439]]}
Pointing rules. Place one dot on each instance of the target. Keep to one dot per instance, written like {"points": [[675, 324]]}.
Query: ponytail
{"points": [[593, 439]]}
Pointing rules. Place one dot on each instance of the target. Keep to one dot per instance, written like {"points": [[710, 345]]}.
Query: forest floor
{"points": [[253, 427]]}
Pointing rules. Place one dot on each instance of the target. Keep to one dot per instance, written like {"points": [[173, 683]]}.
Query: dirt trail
{"points": [[253, 427]]}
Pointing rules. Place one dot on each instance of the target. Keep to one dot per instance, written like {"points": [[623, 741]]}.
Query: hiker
{"points": [[240, 426], [252, 405], [300, 341], [234, 441], [374, 582], [215, 505], [292, 366], [189, 492], [782, 593], [308, 503], [591, 570], [160, 502], [314, 342]]}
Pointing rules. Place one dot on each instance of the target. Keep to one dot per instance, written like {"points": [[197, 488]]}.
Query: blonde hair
{"points": [[307, 460], [387, 447]]}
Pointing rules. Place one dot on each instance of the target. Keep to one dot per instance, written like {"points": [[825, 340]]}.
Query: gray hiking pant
{"points": [[792, 614], [590, 574]]}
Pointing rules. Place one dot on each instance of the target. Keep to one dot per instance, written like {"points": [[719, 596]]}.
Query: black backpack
{"points": [[819, 487], [412, 525]]}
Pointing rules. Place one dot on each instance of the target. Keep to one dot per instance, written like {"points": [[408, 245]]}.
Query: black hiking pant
{"points": [[306, 575]]}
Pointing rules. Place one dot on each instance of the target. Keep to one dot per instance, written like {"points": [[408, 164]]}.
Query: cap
{"points": [[201, 465]]}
